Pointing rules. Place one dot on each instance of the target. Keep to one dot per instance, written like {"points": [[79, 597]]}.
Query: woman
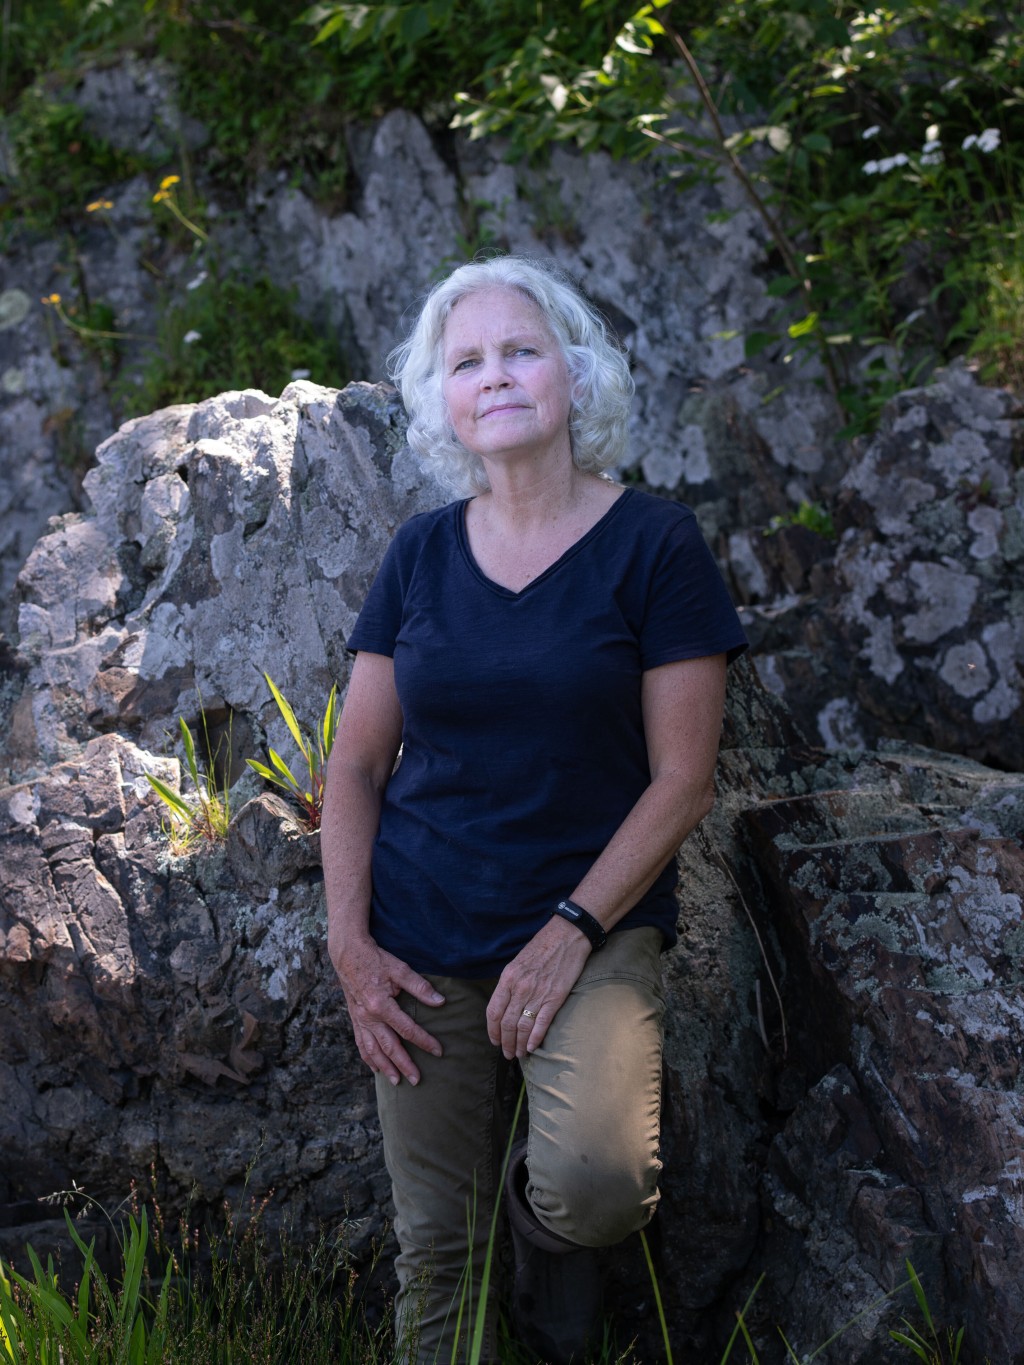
{"points": [[550, 654]]}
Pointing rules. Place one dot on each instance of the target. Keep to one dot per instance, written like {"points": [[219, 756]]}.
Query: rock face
{"points": [[672, 281], [228, 539], [899, 896], [912, 626], [843, 1085]]}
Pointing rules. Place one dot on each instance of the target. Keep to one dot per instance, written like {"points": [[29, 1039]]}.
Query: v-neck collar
{"points": [[574, 548]]}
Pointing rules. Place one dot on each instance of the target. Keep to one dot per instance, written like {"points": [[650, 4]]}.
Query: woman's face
{"points": [[506, 381]]}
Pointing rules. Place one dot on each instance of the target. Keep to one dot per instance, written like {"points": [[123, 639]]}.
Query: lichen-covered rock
{"points": [[229, 539], [915, 629], [899, 898], [158, 1014], [843, 1041]]}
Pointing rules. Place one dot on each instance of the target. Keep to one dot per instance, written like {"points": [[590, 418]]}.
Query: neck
{"points": [[526, 497]]}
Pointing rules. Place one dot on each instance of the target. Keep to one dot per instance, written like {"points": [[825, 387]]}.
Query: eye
{"points": [[464, 364]]}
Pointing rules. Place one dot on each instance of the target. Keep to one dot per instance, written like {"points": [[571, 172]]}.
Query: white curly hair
{"points": [[602, 386]]}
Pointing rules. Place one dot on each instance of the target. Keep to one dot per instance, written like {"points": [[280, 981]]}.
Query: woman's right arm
{"points": [[361, 762]]}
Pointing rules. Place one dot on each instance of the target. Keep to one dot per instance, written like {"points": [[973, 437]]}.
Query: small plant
{"points": [[227, 332], [315, 750], [813, 516], [261, 1300], [207, 815], [167, 195], [58, 165], [935, 1348], [99, 1323]]}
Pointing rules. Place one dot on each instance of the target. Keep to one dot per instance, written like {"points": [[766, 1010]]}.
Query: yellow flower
{"points": [[51, 298], [170, 180], [98, 204], [160, 196]]}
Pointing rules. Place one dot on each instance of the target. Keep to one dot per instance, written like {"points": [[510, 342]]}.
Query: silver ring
{"points": [[529, 1014]]}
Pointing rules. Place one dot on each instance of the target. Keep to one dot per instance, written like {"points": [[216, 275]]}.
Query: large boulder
{"points": [[911, 626], [842, 1058]]}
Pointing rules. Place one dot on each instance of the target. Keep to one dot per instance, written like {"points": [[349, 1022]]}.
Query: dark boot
{"points": [[556, 1295]]}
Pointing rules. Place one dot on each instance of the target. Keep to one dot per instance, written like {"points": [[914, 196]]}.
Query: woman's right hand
{"points": [[371, 980]]}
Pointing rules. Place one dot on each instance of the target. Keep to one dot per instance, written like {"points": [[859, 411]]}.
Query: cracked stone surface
{"points": [[843, 1080]]}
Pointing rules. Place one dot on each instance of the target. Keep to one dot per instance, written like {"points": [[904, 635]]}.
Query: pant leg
{"points": [[594, 1090], [443, 1142]]}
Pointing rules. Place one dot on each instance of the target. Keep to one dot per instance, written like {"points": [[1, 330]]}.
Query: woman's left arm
{"points": [[682, 710]]}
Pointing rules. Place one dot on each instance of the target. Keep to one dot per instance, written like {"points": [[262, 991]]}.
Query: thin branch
{"points": [[775, 229]]}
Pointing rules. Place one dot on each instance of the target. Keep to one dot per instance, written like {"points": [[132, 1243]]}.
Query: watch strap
{"points": [[584, 921]]}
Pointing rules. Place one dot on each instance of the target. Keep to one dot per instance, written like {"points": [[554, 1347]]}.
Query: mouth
{"points": [[502, 407]]}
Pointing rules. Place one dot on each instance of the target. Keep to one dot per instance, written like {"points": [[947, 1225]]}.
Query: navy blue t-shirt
{"points": [[523, 739]]}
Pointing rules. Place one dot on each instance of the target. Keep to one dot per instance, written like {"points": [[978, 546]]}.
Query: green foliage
{"points": [[228, 333], [96, 1325], [59, 166], [205, 816], [417, 54], [814, 516], [315, 750], [933, 1346], [883, 149], [262, 1301]]}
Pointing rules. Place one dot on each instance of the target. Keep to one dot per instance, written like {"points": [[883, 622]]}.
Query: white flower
{"points": [[887, 163], [194, 284], [932, 145], [873, 131], [934, 158], [985, 141], [931, 133], [192, 336], [951, 85]]}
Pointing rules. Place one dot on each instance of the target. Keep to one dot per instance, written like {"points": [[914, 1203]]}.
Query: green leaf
{"points": [[177, 803], [804, 327], [336, 22], [190, 751], [283, 768], [756, 342], [919, 1295], [781, 286], [288, 715]]}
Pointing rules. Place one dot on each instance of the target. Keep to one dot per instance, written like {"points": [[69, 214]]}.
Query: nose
{"points": [[494, 372]]}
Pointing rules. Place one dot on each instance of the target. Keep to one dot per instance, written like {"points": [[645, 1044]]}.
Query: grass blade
{"points": [[480, 1321], [177, 803], [739, 1320], [287, 714], [657, 1298]]}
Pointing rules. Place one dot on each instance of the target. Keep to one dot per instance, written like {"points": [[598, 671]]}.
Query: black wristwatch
{"points": [[584, 921]]}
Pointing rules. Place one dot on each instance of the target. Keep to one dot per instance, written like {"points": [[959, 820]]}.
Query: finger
{"points": [[417, 985], [405, 1026], [540, 1028], [384, 1053], [510, 1030], [496, 1007]]}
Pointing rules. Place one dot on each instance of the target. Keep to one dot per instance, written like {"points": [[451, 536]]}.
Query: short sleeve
{"points": [[377, 626], [689, 612]]}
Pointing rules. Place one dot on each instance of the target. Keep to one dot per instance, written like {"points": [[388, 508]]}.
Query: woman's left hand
{"points": [[533, 987]]}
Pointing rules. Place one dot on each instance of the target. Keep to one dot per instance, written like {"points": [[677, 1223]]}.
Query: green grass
{"points": [[240, 1293]]}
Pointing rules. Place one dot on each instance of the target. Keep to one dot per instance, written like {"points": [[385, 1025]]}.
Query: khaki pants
{"points": [[594, 1094]]}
